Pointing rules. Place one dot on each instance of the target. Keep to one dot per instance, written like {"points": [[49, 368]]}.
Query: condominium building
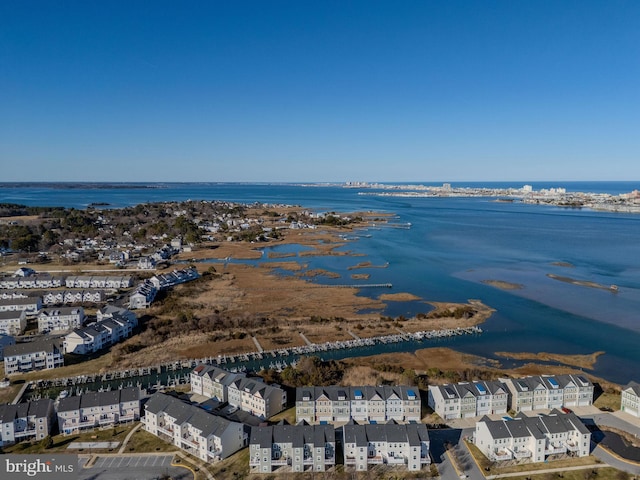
{"points": [[386, 444], [115, 325], [60, 319], [189, 427], [13, 323], [468, 399], [98, 409], [334, 404], [30, 356], [535, 438], [294, 447], [31, 305], [26, 421]]}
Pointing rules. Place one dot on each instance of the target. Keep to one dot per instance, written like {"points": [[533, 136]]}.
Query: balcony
{"points": [[519, 454], [572, 446], [25, 433], [374, 459], [554, 449], [500, 455], [394, 460]]}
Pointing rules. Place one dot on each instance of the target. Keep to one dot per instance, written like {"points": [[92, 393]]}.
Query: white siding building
{"points": [[30, 356], [630, 399], [386, 444], [199, 433], [549, 392], [26, 421], [13, 323], [535, 438], [468, 399], [294, 447], [60, 319]]}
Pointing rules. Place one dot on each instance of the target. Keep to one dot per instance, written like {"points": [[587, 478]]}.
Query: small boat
{"points": [[613, 288], [63, 394]]}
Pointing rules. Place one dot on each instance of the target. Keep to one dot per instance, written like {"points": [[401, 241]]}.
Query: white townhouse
{"points": [[98, 409], [549, 392], [70, 296], [30, 305], [166, 280], [404, 445], [13, 323], [5, 341], [468, 399], [98, 281], [60, 319], [536, 438], [97, 336], [30, 356], [189, 427], [212, 382], [295, 447], [630, 399], [252, 395], [335, 404], [39, 280], [112, 311], [143, 296], [26, 421]]}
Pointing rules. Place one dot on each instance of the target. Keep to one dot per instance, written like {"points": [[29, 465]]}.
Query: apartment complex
{"points": [[26, 421], [386, 444], [98, 409], [199, 433], [60, 319], [114, 325], [298, 447], [13, 322], [535, 438], [30, 356], [334, 404], [468, 399], [248, 394], [30, 305]]}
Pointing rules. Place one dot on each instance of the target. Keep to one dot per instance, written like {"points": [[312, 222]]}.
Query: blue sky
{"points": [[319, 91]]}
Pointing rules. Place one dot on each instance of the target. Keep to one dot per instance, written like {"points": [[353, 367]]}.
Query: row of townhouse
{"points": [[363, 404], [468, 399], [209, 437], [98, 281], [166, 280], [26, 421], [31, 305], [114, 325], [69, 296], [42, 354], [9, 294], [38, 280], [13, 322], [535, 438], [474, 399], [300, 447], [98, 409], [388, 444], [248, 394], [549, 392], [60, 319]]}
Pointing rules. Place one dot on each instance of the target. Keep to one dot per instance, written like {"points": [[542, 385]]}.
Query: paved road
{"points": [[132, 467], [616, 462]]}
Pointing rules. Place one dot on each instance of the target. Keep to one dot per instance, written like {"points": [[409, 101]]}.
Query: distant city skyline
{"points": [[333, 91]]}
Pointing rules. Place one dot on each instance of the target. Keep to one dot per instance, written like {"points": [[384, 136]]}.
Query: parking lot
{"points": [[132, 467]]}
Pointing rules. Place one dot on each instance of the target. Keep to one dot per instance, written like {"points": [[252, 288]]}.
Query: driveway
{"points": [[132, 467]]}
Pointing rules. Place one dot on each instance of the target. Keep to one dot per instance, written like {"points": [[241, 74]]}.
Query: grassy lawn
{"points": [[608, 400], [61, 442], [143, 441], [289, 415], [236, 466], [103, 362], [605, 473], [7, 394]]}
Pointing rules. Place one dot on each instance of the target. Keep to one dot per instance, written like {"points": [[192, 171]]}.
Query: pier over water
{"points": [[177, 373]]}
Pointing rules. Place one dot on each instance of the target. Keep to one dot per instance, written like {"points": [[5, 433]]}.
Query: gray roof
{"points": [[11, 315], [634, 386], [361, 435], [98, 399], [37, 408], [538, 426], [45, 345], [19, 301], [336, 393], [183, 412]]}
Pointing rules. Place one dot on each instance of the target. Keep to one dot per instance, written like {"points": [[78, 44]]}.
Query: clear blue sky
{"points": [[319, 91]]}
